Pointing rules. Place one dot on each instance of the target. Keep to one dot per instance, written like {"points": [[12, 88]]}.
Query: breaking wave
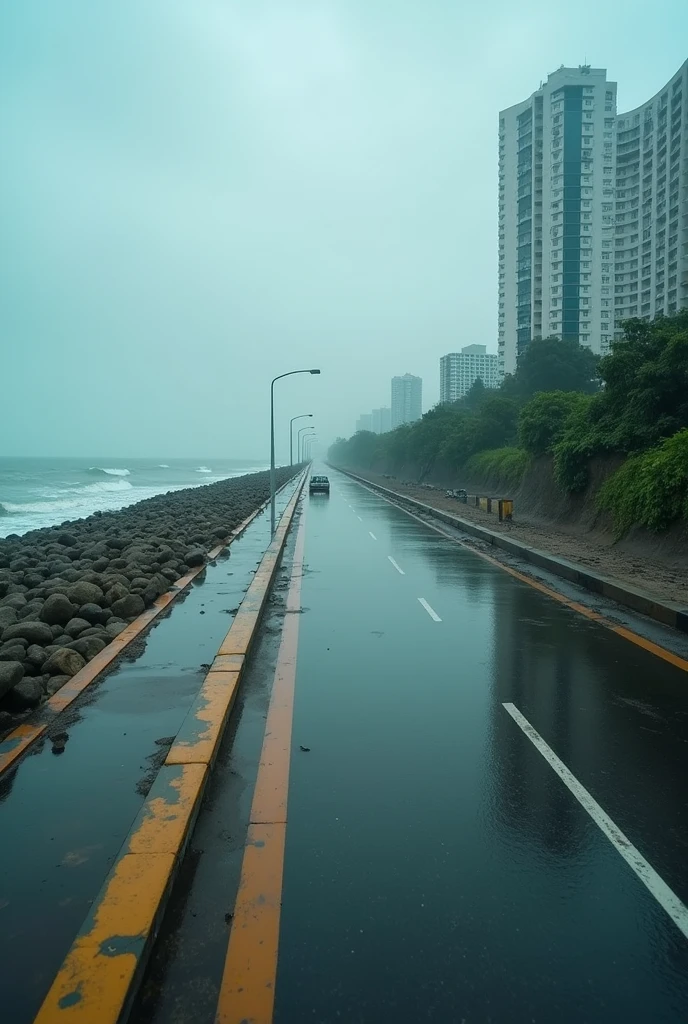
{"points": [[98, 470], [107, 485]]}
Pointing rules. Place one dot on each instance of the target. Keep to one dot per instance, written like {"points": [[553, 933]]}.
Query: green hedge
{"points": [[504, 464], [650, 489]]}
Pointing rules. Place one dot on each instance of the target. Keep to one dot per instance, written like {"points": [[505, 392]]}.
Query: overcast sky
{"points": [[197, 195]]}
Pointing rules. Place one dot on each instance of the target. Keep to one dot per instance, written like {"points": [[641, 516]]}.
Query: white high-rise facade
{"points": [[556, 214], [651, 215], [382, 420], [407, 399], [460, 370]]}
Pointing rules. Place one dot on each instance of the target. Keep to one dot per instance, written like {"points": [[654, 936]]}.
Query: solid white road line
{"points": [[433, 614], [396, 566], [372, 534], [677, 911]]}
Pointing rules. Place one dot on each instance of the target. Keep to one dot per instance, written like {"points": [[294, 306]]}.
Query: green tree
{"points": [[651, 488], [425, 437], [549, 364], [395, 446], [542, 420], [476, 394], [458, 443], [645, 396], [495, 422]]}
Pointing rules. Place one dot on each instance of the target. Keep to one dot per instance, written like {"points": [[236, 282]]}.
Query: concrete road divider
{"points": [[100, 975]]}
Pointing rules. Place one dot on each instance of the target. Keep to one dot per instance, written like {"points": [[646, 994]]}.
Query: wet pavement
{"points": [[436, 867], [64, 816]]}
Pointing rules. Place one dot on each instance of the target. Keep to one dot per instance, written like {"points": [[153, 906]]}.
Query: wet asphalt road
{"points": [[436, 866]]}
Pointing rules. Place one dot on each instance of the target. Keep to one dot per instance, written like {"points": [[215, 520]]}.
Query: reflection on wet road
{"points": [[438, 866]]}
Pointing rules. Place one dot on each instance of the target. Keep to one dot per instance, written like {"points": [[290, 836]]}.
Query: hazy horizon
{"points": [[198, 197]]}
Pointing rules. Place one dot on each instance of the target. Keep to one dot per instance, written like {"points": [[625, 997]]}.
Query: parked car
{"points": [[319, 485]]}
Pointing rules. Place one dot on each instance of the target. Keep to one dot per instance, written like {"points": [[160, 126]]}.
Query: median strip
{"points": [[101, 973], [247, 991], [17, 742]]}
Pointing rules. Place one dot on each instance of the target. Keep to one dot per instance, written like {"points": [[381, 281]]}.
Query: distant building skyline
{"points": [[379, 421], [407, 399], [382, 420], [460, 370]]}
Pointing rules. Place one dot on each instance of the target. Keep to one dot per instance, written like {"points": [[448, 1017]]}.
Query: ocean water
{"points": [[43, 492]]}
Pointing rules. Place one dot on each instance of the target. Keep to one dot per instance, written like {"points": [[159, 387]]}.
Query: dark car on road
{"points": [[319, 485]]}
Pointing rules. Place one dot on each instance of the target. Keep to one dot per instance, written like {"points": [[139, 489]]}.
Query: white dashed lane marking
{"points": [[431, 612]]}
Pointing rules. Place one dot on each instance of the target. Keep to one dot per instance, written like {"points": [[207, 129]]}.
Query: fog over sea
{"points": [[42, 492]]}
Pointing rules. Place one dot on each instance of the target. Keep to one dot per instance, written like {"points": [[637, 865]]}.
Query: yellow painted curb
{"points": [[99, 977], [247, 990]]}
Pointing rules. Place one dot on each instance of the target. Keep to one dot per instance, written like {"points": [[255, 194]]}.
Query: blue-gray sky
{"points": [[197, 195]]}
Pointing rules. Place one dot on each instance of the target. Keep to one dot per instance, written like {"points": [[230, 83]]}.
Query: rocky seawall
{"points": [[67, 591]]}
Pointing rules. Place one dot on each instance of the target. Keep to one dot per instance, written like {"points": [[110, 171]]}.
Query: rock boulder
{"points": [[11, 673], [76, 626], [84, 593], [114, 628], [129, 606], [87, 646], [64, 662], [194, 557], [32, 632], [26, 694], [35, 655], [57, 610]]}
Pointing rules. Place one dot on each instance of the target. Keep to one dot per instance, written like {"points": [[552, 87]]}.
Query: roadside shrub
{"points": [[542, 420], [650, 489], [577, 443], [504, 464]]}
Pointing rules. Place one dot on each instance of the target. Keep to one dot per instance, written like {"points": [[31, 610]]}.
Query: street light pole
{"points": [[298, 441], [290, 373], [303, 416]]}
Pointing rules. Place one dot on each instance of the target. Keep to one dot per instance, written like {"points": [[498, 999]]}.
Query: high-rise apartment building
{"points": [[593, 227], [407, 399], [382, 420], [556, 214], [364, 422], [460, 370], [651, 215]]}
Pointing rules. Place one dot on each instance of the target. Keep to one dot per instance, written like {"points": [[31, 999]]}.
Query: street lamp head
{"points": [[314, 371]]}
